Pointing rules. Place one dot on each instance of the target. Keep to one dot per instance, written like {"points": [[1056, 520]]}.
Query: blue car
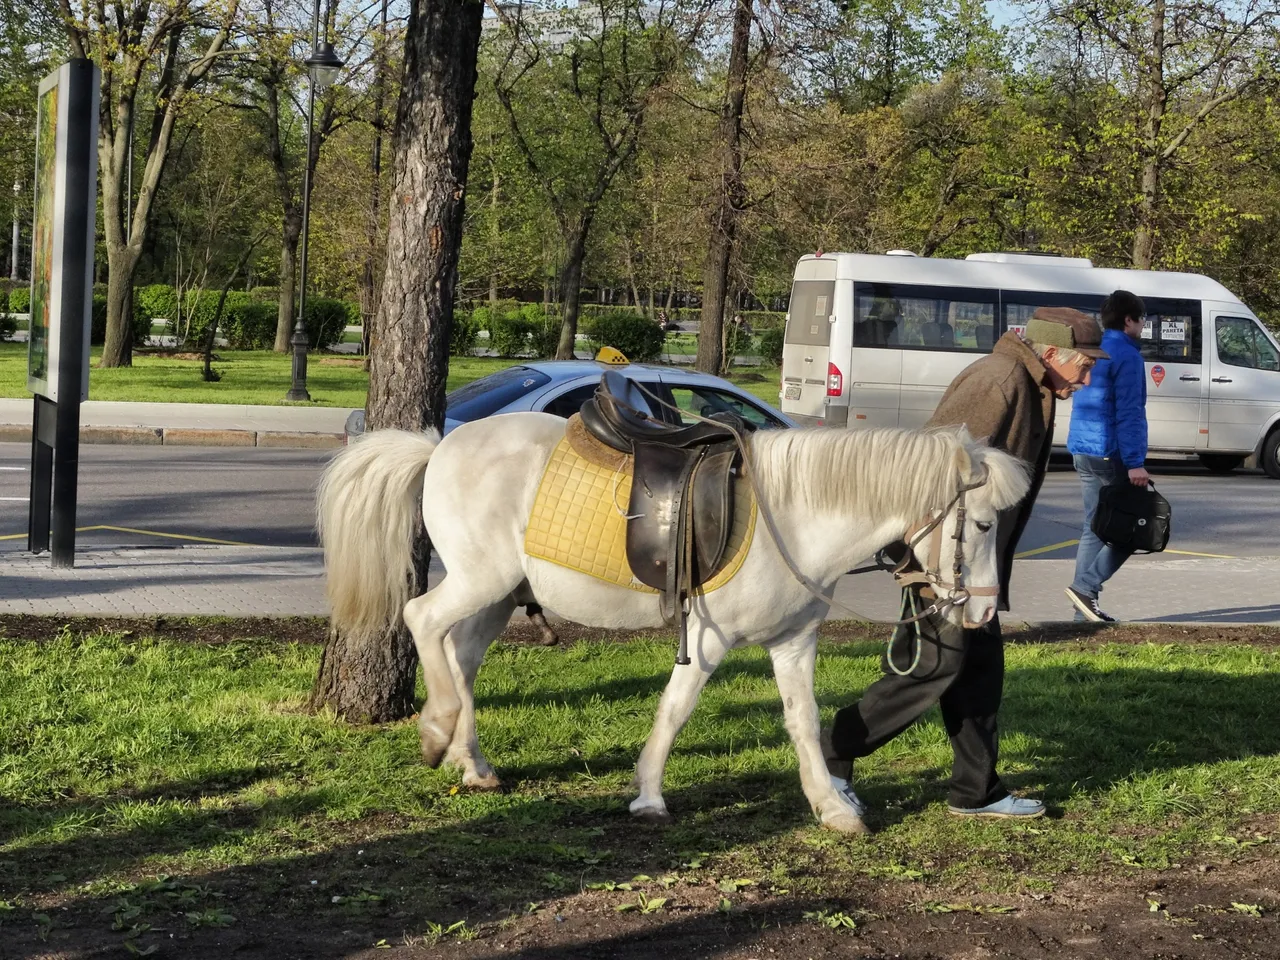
{"points": [[562, 386]]}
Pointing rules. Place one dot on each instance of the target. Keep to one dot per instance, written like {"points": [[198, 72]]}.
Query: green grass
{"points": [[262, 377], [123, 757]]}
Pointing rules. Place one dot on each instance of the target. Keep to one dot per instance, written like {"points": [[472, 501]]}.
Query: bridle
{"points": [[958, 592]]}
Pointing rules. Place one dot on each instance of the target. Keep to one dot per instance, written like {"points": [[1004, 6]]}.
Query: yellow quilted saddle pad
{"points": [[578, 520]]}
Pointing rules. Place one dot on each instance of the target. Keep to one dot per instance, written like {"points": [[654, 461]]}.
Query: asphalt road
{"points": [[170, 495]]}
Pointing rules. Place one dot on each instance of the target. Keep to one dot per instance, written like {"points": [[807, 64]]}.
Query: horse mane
{"points": [[886, 471]]}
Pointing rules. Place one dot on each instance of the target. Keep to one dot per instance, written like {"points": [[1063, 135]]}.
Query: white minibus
{"points": [[875, 340]]}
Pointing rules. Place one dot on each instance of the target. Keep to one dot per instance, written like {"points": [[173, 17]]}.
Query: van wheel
{"points": [[1220, 462], [1271, 455]]}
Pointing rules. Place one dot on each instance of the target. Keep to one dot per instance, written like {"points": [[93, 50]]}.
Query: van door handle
{"points": [[1223, 380], [1185, 377], [808, 359]]}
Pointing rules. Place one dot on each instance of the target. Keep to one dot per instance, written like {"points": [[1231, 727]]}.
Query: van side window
{"points": [[904, 316], [1242, 344], [1171, 333]]}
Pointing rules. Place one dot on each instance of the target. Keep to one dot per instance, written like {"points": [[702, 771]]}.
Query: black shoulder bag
{"points": [[1133, 518]]}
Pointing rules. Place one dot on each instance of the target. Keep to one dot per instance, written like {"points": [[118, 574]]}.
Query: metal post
{"points": [[13, 266], [299, 342]]}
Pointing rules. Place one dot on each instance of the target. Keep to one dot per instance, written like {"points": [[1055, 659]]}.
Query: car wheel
{"points": [[1271, 455], [1220, 462]]}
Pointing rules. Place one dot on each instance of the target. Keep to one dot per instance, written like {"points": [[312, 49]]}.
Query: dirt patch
{"points": [[310, 630], [341, 361], [314, 630], [1193, 911], [173, 355]]}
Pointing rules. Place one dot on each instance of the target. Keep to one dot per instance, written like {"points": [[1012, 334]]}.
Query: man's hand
{"points": [[1139, 477]]}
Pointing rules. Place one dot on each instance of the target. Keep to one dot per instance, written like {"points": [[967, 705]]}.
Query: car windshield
{"points": [[480, 398]]}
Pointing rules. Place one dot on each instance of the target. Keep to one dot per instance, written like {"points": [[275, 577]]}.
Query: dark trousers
{"points": [[962, 671]]}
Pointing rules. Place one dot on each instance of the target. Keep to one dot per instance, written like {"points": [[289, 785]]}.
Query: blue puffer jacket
{"points": [[1109, 416]]}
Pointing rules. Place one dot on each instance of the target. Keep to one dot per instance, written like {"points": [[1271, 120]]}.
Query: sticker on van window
{"points": [[820, 309], [1146, 330], [1173, 330], [1157, 374], [1018, 328]]}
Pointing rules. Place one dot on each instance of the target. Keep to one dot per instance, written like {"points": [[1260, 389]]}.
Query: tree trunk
{"points": [[570, 289], [288, 278], [369, 289], [117, 350], [729, 200], [371, 678], [1153, 101]]}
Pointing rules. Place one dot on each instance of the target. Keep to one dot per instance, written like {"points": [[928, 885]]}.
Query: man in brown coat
{"points": [[1007, 397]]}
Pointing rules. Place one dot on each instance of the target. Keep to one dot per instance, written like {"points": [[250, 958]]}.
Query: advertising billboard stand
{"points": [[61, 299]]}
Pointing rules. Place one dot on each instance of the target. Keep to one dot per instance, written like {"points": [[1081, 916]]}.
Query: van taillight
{"points": [[835, 381]]}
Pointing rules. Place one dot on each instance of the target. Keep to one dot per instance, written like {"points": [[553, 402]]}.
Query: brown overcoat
{"points": [[1002, 398]]}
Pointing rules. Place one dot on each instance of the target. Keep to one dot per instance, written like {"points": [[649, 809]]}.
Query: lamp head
{"points": [[323, 65]]}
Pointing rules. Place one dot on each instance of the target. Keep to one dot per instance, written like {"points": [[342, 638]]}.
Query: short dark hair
{"points": [[1118, 306]]}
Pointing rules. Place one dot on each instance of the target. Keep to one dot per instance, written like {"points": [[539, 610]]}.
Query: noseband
{"points": [[957, 593]]}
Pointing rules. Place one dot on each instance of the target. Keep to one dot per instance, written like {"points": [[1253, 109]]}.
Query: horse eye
{"points": [[983, 526]]}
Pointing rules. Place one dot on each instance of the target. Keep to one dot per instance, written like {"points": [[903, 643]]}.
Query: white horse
{"points": [[835, 496]]}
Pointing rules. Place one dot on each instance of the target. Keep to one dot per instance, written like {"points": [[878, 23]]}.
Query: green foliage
{"points": [[20, 299], [265, 294], [249, 323], [8, 327], [520, 330], [325, 319], [156, 301], [771, 342], [462, 338], [639, 338]]}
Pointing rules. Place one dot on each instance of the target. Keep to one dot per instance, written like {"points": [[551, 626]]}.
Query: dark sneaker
{"points": [[1088, 607]]}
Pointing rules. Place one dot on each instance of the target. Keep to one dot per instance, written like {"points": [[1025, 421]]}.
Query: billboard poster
{"points": [[62, 231], [42, 259]]}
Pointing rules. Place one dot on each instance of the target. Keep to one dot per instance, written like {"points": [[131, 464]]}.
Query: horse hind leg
{"points": [[465, 647], [677, 703], [429, 618]]}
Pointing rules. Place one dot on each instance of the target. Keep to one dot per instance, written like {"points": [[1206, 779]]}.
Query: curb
{"points": [[189, 437]]}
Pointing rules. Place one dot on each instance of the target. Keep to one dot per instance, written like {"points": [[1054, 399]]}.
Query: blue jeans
{"points": [[1096, 562]]}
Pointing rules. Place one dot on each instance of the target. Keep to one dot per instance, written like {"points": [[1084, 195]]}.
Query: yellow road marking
{"points": [[146, 533], [1049, 549], [1192, 553]]}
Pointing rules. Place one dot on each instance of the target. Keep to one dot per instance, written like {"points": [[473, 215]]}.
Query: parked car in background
{"points": [[561, 387]]}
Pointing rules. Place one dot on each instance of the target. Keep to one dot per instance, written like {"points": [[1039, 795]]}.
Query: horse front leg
{"points": [[677, 703], [793, 661]]}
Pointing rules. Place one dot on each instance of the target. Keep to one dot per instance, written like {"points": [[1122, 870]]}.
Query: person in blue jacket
{"points": [[1108, 442]]}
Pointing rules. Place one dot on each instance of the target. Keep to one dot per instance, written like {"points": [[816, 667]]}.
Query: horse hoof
{"points": [[435, 743], [549, 637], [648, 814], [485, 784], [847, 823]]}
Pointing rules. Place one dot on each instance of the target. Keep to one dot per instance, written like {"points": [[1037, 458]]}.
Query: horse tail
{"points": [[367, 512]]}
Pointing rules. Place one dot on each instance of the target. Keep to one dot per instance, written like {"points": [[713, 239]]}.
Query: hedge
{"points": [[771, 341], [639, 338]]}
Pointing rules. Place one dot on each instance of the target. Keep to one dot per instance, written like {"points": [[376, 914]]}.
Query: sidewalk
{"points": [[190, 424], [243, 581]]}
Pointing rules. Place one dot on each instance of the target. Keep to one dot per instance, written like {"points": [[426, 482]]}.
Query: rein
{"points": [[958, 593]]}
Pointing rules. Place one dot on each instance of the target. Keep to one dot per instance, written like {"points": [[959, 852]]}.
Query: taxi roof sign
{"points": [[613, 356]]}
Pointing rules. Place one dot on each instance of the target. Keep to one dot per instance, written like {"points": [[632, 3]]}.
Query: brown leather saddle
{"points": [[681, 507]]}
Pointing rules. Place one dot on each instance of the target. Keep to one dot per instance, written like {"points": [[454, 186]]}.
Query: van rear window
{"points": [[809, 313]]}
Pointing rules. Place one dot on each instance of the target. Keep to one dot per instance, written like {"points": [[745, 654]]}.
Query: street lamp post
{"points": [[13, 266], [322, 69]]}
